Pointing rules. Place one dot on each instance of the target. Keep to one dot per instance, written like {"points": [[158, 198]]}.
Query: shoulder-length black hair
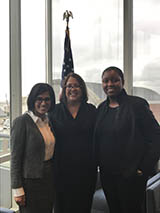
{"points": [[38, 89], [82, 84], [117, 70]]}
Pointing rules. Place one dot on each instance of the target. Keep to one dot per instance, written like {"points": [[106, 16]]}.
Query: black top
{"points": [[110, 150], [74, 139]]}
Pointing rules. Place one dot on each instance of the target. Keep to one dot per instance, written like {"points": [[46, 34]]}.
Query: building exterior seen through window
{"points": [[146, 60]]}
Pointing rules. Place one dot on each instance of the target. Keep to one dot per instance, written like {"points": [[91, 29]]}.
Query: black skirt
{"points": [[40, 192]]}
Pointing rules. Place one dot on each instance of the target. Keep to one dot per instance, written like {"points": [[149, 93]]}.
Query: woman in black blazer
{"points": [[127, 144], [32, 151]]}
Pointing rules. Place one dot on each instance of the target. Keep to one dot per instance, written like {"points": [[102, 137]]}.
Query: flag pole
{"points": [[68, 59], [68, 65]]}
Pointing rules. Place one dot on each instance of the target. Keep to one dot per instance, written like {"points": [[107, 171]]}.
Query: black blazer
{"points": [[142, 149], [27, 150]]}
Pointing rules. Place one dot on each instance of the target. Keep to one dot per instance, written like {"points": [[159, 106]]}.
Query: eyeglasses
{"points": [[40, 99], [71, 86]]}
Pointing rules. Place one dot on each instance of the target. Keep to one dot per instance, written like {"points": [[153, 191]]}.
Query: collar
{"points": [[37, 119]]}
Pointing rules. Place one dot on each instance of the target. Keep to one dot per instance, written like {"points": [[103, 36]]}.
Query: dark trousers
{"points": [[40, 193], [124, 195], [74, 193], [71, 202]]}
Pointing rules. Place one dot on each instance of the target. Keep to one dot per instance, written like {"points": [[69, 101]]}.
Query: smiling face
{"points": [[112, 83], [73, 91], [42, 104]]}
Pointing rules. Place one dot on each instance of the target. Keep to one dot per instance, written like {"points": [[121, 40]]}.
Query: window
{"points": [[96, 33], [146, 59], [4, 80], [33, 45]]}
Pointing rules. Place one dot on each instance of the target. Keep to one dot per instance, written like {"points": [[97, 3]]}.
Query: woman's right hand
{"points": [[20, 200]]}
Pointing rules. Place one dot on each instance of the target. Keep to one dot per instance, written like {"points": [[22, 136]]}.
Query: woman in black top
{"points": [[127, 144], [73, 120]]}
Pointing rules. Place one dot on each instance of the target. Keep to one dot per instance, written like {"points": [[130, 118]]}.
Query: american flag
{"points": [[68, 59]]}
